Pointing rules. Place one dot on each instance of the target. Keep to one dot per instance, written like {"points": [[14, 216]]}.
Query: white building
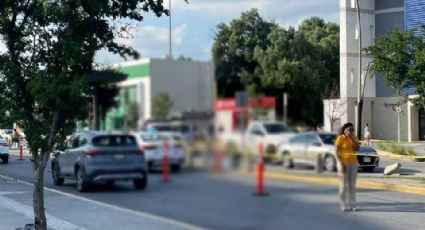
{"points": [[377, 18], [190, 84]]}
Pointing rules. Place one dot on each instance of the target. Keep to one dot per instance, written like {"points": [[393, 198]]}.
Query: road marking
{"points": [[12, 193], [336, 181], [26, 210], [126, 210]]}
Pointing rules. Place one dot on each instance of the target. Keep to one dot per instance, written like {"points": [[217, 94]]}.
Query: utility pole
{"points": [[169, 22], [359, 82]]}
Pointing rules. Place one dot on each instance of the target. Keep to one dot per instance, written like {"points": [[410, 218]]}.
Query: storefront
{"points": [[230, 118]]}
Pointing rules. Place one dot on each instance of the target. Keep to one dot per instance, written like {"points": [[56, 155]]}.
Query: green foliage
{"points": [[132, 115], [400, 56], [396, 148], [265, 59], [50, 51], [161, 106], [50, 47], [233, 52]]}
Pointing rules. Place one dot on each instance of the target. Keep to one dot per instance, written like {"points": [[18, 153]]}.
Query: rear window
{"points": [[150, 137], [163, 128], [114, 141]]}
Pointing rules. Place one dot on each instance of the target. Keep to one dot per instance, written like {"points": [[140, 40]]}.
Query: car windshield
{"points": [[181, 128], [163, 128], [276, 128], [328, 139], [114, 141]]}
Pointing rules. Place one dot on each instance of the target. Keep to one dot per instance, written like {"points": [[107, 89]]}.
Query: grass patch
{"points": [[395, 148]]}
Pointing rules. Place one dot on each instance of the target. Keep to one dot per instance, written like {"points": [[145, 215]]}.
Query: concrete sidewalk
{"points": [[69, 212]]}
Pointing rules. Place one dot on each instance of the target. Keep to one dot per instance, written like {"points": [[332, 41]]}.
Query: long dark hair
{"points": [[346, 125]]}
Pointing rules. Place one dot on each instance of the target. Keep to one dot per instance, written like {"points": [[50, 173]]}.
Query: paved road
{"points": [[226, 202]]}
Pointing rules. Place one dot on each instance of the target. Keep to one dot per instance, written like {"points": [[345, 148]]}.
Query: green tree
{"points": [[325, 38], [233, 53], [400, 56], [50, 50], [161, 106], [291, 64], [132, 115]]}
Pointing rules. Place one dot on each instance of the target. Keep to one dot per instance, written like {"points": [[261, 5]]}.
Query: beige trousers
{"points": [[347, 186]]}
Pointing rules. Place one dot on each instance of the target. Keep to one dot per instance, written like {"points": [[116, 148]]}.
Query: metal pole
{"points": [[285, 107], [398, 127], [170, 45], [359, 86]]}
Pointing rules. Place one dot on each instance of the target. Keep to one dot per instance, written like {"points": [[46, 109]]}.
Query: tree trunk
{"points": [[39, 164], [40, 221]]}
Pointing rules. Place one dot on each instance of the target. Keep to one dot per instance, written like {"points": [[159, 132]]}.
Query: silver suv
{"points": [[93, 156]]}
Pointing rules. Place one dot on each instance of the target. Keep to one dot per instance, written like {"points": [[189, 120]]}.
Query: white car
{"points": [[7, 134], [268, 133], [304, 149], [153, 146], [4, 151]]}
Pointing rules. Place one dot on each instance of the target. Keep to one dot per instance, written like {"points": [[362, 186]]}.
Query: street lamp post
{"points": [[169, 21]]}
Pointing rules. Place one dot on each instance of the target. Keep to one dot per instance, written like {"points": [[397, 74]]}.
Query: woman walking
{"points": [[346, 146]]}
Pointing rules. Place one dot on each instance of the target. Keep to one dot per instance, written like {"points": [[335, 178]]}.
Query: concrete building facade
{"points": [[190, 84], [378, 17]]}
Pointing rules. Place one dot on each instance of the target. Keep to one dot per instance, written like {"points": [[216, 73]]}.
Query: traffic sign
{"points": [[398, 109]]}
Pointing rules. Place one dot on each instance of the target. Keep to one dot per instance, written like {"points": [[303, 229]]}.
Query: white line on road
{"points": [[126, 210]]}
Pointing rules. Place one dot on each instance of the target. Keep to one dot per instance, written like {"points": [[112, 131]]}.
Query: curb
{"points": [[335, 182]]}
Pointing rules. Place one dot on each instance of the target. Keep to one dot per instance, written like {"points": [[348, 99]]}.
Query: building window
{"points": [[352, 76], [353, 4]]}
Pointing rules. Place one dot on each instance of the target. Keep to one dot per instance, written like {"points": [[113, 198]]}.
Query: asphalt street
{"points": [[226, 201]]}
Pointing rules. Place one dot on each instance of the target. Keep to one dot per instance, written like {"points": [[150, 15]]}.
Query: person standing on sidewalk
{"points": [[346, 146], [366, 135]]}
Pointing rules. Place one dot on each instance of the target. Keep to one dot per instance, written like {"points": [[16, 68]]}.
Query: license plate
{"points": [[366, 159], [119, 156]]}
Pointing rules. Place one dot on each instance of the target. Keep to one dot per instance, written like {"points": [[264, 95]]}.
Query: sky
{"points": [[194, 24]]}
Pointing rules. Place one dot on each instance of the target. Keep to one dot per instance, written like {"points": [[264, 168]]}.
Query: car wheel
{"points": [[82, 183], [5, 160], [330, 163], [57, 179], [287, 161], [175, 168], [140, 184], [368, 169]]}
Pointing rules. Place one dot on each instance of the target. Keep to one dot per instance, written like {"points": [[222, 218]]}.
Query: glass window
{"points": [[114, 141], [276, 128], [256, 129], [74, 142], [298, 139], [328, 139], [311, 138]]}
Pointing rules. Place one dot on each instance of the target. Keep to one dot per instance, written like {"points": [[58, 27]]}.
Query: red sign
{"points": [[230, 103]]}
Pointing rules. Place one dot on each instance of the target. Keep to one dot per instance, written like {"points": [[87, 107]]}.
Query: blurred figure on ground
{"points": [[366, 135], [346, 146]]}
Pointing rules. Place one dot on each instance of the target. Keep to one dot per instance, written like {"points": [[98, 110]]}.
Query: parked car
{"points": [[269, 133], [4, 151], [95, 156], [305, 147], [7, 134], [186, 131], [153, 146]]}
